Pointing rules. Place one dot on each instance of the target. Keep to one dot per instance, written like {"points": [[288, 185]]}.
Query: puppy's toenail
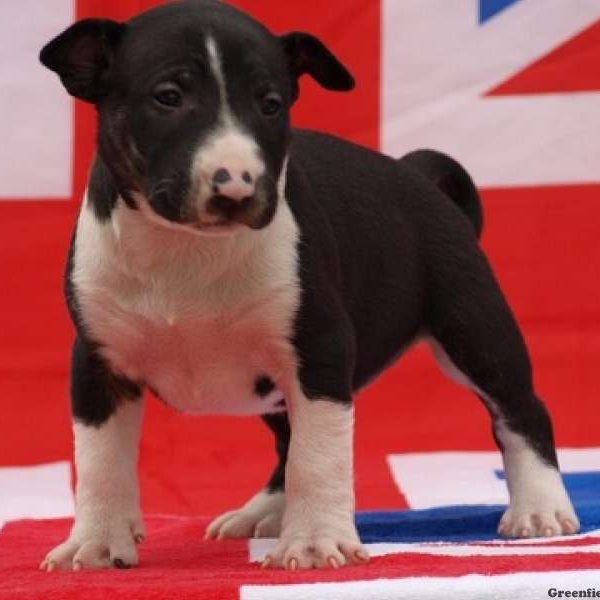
{"points": [[525, 532], [568, 526]]}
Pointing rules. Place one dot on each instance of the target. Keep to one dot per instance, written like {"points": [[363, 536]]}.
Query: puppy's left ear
{"points": [[308, 55]]}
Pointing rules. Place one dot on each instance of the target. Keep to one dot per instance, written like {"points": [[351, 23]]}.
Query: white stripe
{"points": [[460, 478], [532, 586], [216, 66], [258, 549], [36, 113], [474, 550], [38, 492], [545, 540]]}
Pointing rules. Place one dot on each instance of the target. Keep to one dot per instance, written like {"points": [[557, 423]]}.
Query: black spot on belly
{"points": [[263, 386]]}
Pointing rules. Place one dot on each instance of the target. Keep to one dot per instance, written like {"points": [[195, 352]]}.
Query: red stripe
{"points": [[572, 67], [547, 266]]}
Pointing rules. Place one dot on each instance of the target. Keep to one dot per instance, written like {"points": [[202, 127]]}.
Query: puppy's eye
{"points": [[271, 104], [169, 97]]}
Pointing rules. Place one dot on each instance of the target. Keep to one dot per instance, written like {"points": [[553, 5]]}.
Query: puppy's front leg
{"points": [[107, 417], [318, 527]]}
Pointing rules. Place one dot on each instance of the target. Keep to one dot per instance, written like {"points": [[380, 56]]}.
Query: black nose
{"points": [[222, 176]]}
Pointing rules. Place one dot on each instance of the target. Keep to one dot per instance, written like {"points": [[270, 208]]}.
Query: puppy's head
{"points": [[193, 101]]}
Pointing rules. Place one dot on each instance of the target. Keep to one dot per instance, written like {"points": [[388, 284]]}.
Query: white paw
{"points": [[98, 544], [541, 519], [319, 547], [259, 517]]}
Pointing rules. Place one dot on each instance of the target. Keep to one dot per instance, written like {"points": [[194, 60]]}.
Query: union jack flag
{"points": [[511, 88]]}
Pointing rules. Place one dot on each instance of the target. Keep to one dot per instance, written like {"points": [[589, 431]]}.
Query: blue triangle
{"points": [[490, 8]]}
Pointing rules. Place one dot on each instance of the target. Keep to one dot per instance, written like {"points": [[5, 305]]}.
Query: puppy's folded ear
{"points": [[82, 56], [307, 54]]}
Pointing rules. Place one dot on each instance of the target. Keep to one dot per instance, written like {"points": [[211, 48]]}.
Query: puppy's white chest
{"points": [[199, 365], [199, 326]]}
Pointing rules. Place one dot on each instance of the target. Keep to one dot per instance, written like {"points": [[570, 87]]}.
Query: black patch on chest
{"points": [[263, 386]]}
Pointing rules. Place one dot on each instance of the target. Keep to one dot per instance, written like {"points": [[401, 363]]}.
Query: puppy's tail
{"points": [[450, 177]]}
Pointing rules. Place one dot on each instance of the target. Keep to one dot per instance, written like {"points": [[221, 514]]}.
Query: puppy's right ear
{"points": [[82, 56]]}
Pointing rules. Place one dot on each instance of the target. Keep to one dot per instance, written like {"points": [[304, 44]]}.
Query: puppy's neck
{"points": [[147, 245]]}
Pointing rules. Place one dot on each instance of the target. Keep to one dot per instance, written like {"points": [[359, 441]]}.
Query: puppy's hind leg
{"points": [[261, 515], [478, 343]]}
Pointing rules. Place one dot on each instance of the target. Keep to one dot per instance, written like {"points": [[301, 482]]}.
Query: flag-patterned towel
{"points": [[415, 553], [175, 564]]}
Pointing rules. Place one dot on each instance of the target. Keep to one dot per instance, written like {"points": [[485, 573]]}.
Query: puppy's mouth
{"points": [[217, 213], [216, 227], [248, 211]]}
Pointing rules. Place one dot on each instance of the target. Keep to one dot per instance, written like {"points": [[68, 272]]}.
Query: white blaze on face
{"points": [[216, 67], [228, 147]]}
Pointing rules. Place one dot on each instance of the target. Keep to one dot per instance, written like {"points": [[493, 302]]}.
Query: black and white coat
{"points": [[278, 289]]}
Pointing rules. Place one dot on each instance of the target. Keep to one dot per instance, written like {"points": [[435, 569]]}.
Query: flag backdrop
{"points": [[509, 87]]}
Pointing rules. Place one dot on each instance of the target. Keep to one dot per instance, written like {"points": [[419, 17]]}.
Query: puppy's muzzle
{"points": [[238, 197]]}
